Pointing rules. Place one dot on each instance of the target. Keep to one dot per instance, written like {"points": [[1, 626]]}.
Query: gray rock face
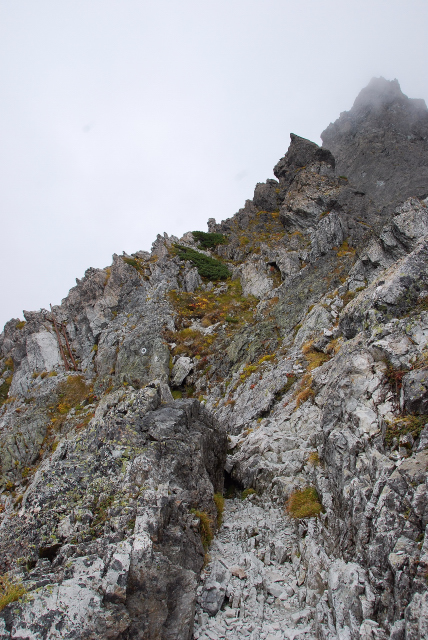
{"points": [[350, 596], [181, 370], [301, 153], [215, 588], [394, 293], [330, 232], [116, 522], [266, 195], [415, 392], [312, 193], [255, 279]]}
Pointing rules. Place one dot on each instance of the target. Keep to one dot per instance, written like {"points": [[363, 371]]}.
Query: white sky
{"points": [[121, 119]]}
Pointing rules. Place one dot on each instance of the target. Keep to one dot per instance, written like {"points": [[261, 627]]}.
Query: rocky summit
{"points": [[227, 437]]}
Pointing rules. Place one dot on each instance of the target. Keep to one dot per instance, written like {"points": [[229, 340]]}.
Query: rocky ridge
{"points": [[128, 410]]}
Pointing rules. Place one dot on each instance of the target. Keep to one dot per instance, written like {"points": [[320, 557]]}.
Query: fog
{"points": [[123, 119]]}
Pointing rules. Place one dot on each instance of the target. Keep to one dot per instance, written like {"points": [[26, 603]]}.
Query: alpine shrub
{"points": [[208, 240], [207, 267]]}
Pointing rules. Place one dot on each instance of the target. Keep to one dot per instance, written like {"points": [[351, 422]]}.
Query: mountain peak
{"points": [[380, 92], [380, 143]]}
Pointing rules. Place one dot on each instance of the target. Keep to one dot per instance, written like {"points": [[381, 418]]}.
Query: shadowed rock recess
{"points": [[228, 437]]}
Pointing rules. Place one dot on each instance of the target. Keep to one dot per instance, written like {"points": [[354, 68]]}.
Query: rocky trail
{"points": [[253, 584]]}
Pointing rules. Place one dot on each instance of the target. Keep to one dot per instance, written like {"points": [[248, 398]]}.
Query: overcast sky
{"points": [[121, 119]]}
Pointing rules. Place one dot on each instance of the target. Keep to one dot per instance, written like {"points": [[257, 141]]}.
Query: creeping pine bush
{"points": [[208, 240], [207, 267]]}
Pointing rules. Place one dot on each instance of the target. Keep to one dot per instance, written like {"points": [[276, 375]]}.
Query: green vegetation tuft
{"points": [[247, 492], [304, 503], [405, 424], [247, 371], [132, 262], [208, 240], [207, 267], [4, 390]]}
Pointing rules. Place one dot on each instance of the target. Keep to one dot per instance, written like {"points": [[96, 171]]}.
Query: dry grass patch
{"points": [[193, 343], [315, 358], [10, 591], [314, 459], [304, 503], [304, 395], [204, 527], [349, 295], [345, 250], [247, 492], [305, 390], [334, 346], [73, 391], [212, 307], [219, 503]]}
